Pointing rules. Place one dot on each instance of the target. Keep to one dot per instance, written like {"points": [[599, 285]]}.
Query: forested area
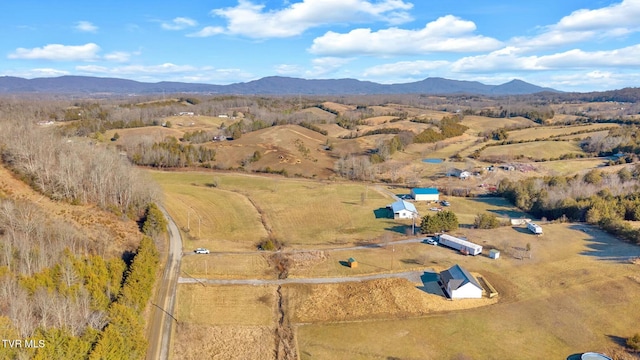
{"points": [[75, 293], [605, 199]]}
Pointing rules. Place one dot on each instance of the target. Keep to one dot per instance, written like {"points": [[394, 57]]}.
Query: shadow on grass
{"points": [[344, 263], [522, 230], [383, 213], [618, 340], [410, 261], [367, 244], [401, 229], [605, 246], [504, 207]]}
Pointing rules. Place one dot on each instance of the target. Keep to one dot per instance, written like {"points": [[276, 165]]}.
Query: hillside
{"points": [[273, 85]]}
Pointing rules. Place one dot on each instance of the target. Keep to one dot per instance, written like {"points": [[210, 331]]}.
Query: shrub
{"points": [[634, 342]]}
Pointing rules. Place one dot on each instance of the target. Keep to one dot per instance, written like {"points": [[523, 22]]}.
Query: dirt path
{"points": [[162, 320], [284, 334]]}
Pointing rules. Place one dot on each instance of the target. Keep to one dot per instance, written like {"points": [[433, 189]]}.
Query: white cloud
{"points": [[319, 67], [593, 80], [166, 68], [208, 31], [614, 21], [118, 56], [179, 23], [446, 34], [58, 52], [168, 72], [35, 73], [509, 59], [251, 20], [86, 26], [405, 68], [624, 14]]}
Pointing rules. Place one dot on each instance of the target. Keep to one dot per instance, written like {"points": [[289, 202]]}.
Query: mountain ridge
{"points": [[271, 85]]}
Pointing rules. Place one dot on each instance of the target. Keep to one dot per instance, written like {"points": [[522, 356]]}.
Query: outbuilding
{"points": [[494, 254], [458, 283], [425, 194], [459, 173], [403, 210], [352, 263]]}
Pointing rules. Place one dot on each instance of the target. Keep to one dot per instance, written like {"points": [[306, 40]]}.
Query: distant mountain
{"points": [[272, 85]]}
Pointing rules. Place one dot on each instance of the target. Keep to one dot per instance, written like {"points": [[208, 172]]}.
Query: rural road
{"points": [[161, 322]]}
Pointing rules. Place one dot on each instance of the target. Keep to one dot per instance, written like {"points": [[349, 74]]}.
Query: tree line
{"points": [[608, 200]]}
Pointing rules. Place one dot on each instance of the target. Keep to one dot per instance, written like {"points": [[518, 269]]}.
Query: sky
{"points": [[568, 45]]}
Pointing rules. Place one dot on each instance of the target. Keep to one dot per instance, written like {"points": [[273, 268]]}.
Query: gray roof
{"points": [[457, 276], [403, 205]]}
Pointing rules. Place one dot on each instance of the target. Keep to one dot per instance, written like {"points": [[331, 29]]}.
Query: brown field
{"points": [[229, 219], [548, 131], [566, 167], [292, 148], [534, 150], [197, 342], [574, 295], [575, 291], [478, 124], [338, 107], [226, 305]]}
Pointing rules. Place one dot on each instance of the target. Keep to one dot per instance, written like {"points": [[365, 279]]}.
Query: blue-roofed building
{"points": [[425, 194], [403, 210]]}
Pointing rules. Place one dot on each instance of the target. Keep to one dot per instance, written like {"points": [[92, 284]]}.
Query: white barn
{"points": [[460, 284], [403, 210], [425, 194], [460, 174]]}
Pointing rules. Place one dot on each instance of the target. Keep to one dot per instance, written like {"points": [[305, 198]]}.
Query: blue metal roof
{"points": [[425, 191]]}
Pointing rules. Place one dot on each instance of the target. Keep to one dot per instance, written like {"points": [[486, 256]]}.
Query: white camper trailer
{"points": [[534, 228]]}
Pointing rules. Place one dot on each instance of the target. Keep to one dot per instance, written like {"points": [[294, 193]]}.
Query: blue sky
{"points": [[571, 45]]}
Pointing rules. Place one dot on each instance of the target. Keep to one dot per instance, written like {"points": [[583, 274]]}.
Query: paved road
{"points": [[159, 332]]}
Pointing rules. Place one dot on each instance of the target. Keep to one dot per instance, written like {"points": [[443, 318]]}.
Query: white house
{"points": [[425, 194], [460, 284], [461, 174], [403, 210]]}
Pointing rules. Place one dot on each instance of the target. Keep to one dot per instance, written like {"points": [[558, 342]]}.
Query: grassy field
{"points": [[534, 150], [478, 124], [574, 291], [226, 305], [466, 209], [544, 132], [224, 322], [573, 295], [565, 167], [236, 214]]}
